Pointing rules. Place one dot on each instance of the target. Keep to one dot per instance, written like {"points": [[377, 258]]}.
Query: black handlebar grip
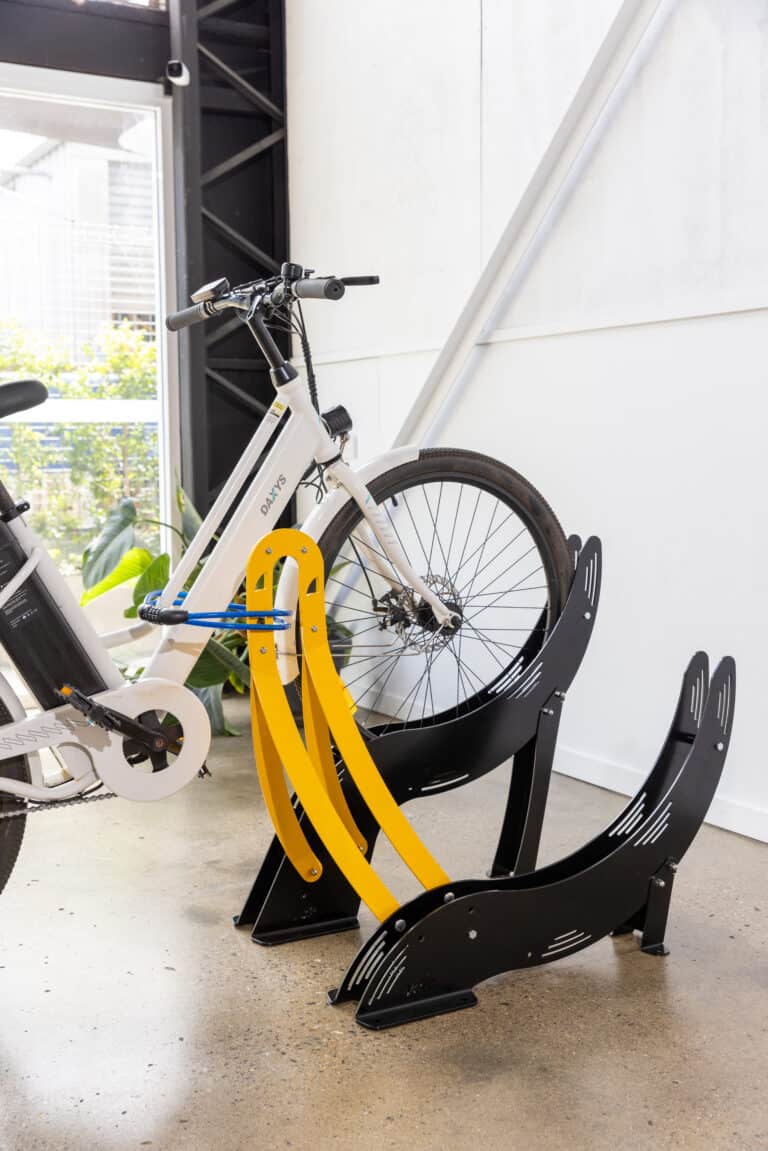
{"points": [[186, 317], [319, 288]]}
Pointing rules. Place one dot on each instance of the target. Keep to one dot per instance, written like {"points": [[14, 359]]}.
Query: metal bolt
{"points": [[399, 925], [559, 695], [313, 871], [719, 745], [269, 551], [587, 615], [304, 551], [448, 897], [657, 882], [672, 867], [548, 711], [314, 627], [472, 934], [263, 650]]}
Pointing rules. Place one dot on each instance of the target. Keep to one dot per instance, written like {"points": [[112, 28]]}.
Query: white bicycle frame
{"points": [[91, 754]]}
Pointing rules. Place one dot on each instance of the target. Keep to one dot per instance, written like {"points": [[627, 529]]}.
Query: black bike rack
{"points": [[429, 955], [426, 959]]}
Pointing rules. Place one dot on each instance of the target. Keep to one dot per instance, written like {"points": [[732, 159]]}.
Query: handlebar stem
{"points": [[279, 369]]}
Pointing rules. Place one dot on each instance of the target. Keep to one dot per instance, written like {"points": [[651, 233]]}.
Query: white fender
{"points": [[314, 526], [17, 712]]}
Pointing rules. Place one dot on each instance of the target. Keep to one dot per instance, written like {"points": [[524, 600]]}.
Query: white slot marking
{"points": [[628, 816], [648, 829]]}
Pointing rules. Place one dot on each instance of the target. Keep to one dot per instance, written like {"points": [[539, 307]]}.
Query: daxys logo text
{"points": [[281, 481]]}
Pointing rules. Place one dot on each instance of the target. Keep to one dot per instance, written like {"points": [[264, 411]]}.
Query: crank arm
{"points": [[112, 720]]}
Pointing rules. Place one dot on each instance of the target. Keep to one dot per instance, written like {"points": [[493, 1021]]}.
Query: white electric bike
{"points": [[441, 566]]}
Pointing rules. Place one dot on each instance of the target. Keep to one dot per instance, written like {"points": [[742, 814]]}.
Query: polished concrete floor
{"points": [[132, 1013]]}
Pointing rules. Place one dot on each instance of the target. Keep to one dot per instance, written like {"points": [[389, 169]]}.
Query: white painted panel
{"points": [[653, 438], [384, 163], [534, 58], [669, 217]]}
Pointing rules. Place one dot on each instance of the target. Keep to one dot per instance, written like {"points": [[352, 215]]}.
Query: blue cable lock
{"points": [[235, 617]]}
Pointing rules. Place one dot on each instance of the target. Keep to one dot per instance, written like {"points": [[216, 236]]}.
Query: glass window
{"points": [[79, 302]]}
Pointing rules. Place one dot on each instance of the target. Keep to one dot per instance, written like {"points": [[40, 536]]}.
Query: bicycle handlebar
{"points": [[282, 291]]}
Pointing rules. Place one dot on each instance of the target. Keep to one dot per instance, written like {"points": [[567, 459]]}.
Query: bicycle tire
{"points": [[448, 466], [11, 830]]}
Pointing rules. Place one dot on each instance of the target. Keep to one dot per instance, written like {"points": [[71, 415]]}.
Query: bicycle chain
{"points": [[33, 808]]}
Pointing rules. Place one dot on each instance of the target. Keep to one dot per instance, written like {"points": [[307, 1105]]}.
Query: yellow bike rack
{"points": [[327, 710]]}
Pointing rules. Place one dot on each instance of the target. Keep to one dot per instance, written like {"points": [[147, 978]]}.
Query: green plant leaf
{"points": [[153, 578], [211, 697], [190, 516], [215, 665], [132, 564], [116, 537]]}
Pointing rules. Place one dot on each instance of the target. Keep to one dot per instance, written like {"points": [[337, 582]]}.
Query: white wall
{"points": [[627, 374]]}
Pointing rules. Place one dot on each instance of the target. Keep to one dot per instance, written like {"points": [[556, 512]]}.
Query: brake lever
{"points": [[252, 309], [359, 281]]}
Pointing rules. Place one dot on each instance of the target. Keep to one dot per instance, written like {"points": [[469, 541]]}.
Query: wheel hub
{"points": [[414, 619], [426, 618]]}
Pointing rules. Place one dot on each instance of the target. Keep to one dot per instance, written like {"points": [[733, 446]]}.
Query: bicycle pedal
{"points": [[111, 720]]}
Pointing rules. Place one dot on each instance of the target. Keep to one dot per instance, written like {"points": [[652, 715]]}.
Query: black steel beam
{"points": [[236, 32], [280, 224], [215, 6], [225, 328], [224, 100], [242, 243], [244, 156], [237, 364], [190, 267], [236, 81], [99, 38], [232, 216], [245, 399]]}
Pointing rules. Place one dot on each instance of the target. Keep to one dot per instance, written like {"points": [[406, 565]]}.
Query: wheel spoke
{"points": [[435, 535], [482, 552], [476, 635], [480, 547], [493, 602], [493, 559], [469, 533]]}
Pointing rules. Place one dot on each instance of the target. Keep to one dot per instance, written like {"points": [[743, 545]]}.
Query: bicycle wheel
{"points": [[11, 830], [486, 542]]}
